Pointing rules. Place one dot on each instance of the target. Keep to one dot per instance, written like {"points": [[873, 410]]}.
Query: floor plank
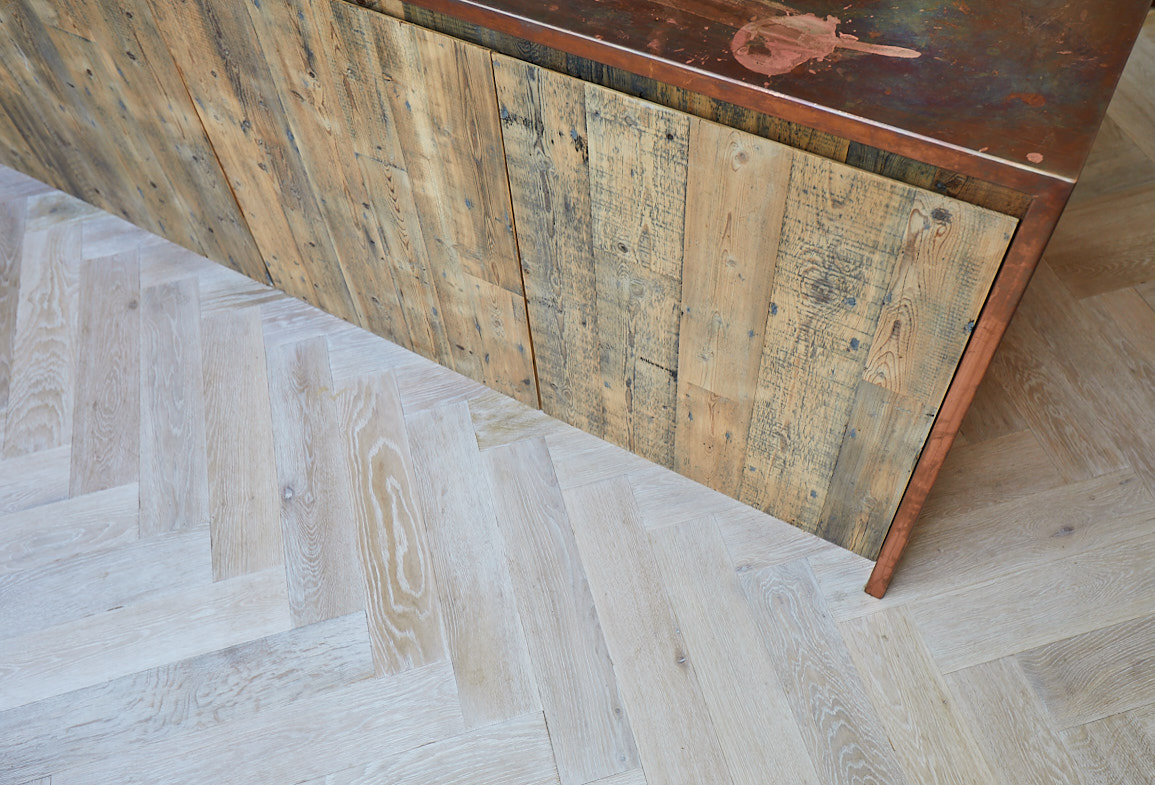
{"points": [[1115, 750]]}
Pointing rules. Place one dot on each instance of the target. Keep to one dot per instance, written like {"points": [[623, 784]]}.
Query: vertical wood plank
{"points": [[106, 420], [484, 630], [11, 243], [173, 469], [39, 412], [839, 725], [735, 199], [883, 438], [244, 506], [748, 704], [590, 734], [841, 233], [677, 741], [948, 260], [324, 572], [543, 116], [227, 74], [637, 164], [401, 590]]}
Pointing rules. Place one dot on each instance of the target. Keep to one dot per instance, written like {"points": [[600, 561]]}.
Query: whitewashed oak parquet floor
{"points": [[241, 541]]}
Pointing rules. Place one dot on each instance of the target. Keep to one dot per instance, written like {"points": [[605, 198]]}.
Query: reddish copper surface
{"points": [[1024, 83]]}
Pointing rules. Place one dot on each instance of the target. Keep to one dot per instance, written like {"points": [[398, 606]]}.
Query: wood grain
{"points": [[114, 578], [400, 587], [106, 418], [677, 741], [144, 635], [320, 533], [579, 692], [1038, 605], [243, 495], [11, 245], [34, 479], [740, 683], [931, 740], [1113, 750], [282, 744], [828, 292], [484, 629], [109, 719], [174, 490], [1094, 675], [996, 701], [516, 752], [735, 199], [71, 527], [39, 411], [839, 725]]}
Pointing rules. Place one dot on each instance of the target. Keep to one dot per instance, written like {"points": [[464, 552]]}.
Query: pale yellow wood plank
{"points": [[931, 739], [1038, 604], [1096, 674], [482, 624], [579, 691], [516, 752], [580, 459], [174, 490], [113, 718], [676, 740], [666, 498], [244, 502], [400, 587], [144, 635], [68, 528], [747, 702], [11, 245], [282, 744], [1012, 729], [355, 353], [1113, 751], [840, 727], [43, 372], [35, 479], [498, 420], [46, 596], [320, 533], [106, 235], [735, 198], [993, 414], [106, 419]]}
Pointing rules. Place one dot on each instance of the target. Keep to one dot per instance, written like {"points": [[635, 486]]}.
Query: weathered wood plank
{"points": [[543, 116], [588, 728], [677, 741], [321, 560], [483, 627], [243, 495], [637, 170], [174, 491], [741, 686], [11, 244], [106, 418], [735, 199], [841, 235], [39, 412], [400, 588]]}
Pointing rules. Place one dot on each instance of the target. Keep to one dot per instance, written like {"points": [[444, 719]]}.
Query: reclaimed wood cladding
{"points": [[773, 324], [101, 112], [366, 156]]}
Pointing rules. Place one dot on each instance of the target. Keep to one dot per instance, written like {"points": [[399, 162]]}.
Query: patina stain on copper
{"points": [[1004, 81], [779, 44]]}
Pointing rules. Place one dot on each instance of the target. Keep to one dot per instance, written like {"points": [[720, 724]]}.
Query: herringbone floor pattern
{"points": [[241, 541]]}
